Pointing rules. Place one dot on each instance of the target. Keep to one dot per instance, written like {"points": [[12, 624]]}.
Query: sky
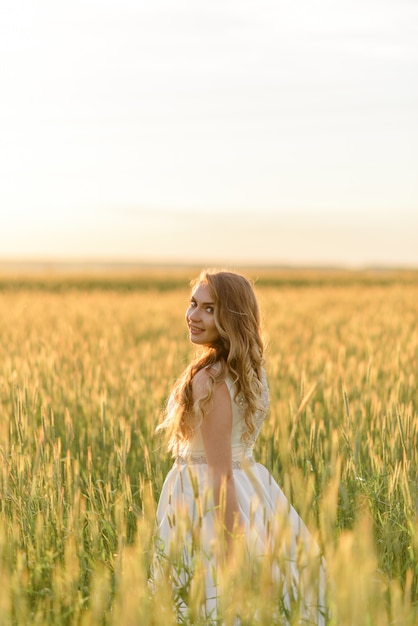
{"points": [[218, 131]]}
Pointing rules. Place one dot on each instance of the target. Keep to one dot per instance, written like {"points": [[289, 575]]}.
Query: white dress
{"points": [[271, 524]]}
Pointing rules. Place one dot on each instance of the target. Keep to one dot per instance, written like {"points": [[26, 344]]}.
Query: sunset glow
{"points": [[279, 132]]}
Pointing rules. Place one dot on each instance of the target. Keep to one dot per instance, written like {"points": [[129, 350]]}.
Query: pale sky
{"points": [[252, 131]]}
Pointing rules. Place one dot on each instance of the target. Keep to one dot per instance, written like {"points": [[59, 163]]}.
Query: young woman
{"points": [[216, 497]]}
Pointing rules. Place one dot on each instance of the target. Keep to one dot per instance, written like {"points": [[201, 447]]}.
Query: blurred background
{"points": [[253, 132]]}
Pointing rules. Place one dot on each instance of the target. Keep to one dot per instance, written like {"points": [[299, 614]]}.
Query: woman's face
{"points": [[200, 316]]}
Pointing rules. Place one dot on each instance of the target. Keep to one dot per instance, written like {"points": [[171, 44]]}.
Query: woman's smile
{"points": [[194, 330]]}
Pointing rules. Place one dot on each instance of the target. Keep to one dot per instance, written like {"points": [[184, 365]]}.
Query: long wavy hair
{"points": [[238, 351]]}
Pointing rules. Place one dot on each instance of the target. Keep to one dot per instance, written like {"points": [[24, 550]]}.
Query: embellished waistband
{"points": [[201, 460]]}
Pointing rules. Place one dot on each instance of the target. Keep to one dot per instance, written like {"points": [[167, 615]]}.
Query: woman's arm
{"points": [[216, 431]]}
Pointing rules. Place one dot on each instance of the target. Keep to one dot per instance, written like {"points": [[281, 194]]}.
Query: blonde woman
{"points": [[216, 499]]}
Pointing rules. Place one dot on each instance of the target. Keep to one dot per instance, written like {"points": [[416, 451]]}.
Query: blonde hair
{"points": [[238, 351]]}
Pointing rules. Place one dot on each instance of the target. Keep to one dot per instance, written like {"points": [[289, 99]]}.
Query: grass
{"points": [[84, 374]]}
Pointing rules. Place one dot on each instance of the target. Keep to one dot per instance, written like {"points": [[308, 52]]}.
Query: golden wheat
{"points": [[83, 378]]}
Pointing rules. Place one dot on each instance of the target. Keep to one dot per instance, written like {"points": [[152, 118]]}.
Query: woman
{"points": [[218, 507]]}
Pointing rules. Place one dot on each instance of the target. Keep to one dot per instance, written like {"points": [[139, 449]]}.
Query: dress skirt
{"points": [[273, 536]]}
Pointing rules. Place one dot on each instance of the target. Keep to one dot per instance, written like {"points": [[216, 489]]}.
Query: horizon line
{"points": [[63, 264]]}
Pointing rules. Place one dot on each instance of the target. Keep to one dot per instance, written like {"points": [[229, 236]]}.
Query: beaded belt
{"points": [[201, 460]]}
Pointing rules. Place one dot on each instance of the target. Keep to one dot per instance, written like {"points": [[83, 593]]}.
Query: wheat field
{"points": [[85, 370]]}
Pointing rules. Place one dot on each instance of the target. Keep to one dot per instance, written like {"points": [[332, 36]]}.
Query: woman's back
{"points": [[241, 446]]}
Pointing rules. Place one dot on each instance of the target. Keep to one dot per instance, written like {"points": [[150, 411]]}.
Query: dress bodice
{"points": [[242, 447]]}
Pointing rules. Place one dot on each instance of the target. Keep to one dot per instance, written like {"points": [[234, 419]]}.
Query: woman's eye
{"points": [[209, 309]]}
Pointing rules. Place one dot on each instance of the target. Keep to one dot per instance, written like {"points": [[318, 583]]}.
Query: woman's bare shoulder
{"points": [[202, 381]]}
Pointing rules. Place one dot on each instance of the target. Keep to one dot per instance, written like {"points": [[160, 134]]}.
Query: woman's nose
{"points": [[193, 314]]}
